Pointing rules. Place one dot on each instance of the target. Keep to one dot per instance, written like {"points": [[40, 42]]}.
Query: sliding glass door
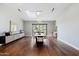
{"points": [[39, 29]]}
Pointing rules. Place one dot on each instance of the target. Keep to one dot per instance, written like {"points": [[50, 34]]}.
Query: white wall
{"points": [[68, 26], [6, 15], [28, 26]]}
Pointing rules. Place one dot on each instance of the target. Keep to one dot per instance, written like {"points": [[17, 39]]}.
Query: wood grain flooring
{"points": [[25, 47]]}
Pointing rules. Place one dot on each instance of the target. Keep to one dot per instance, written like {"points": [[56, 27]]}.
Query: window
{"points": [[39, 29]]}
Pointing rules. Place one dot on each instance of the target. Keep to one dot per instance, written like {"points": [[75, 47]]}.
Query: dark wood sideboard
{"points": [[2, 39]]}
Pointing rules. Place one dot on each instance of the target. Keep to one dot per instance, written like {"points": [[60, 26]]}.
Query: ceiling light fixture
{"points": [[37, 13], [19, 10], [52, 9]]}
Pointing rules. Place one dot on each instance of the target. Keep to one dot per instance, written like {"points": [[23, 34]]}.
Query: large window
{"points": [[39, 29]]}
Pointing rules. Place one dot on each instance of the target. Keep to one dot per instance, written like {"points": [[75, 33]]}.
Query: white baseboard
{"points": [[70, 44], [28, 35]]}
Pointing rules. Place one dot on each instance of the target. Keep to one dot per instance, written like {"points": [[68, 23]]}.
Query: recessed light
{"points": [[37, 13]]}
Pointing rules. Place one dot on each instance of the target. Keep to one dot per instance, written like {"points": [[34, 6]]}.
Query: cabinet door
{"points": [[21, 35], [9, 39], [16, 36]]}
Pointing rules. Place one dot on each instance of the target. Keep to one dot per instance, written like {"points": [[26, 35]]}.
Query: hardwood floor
{"points": [[25, 47]]}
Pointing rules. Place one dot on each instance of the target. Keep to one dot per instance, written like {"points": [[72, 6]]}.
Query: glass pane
{"points": [[39, 29]]}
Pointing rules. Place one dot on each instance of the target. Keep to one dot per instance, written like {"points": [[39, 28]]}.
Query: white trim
{"points": [[70, 44]]}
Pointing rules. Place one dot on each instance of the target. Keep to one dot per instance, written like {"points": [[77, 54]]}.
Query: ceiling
{"points": [[28, 11]]}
